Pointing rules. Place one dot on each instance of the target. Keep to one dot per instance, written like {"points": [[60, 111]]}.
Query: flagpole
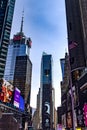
{"points": [[72, 98]]}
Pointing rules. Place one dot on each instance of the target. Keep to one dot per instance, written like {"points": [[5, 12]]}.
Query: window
{"points": [[70, 26], [47, 72]]}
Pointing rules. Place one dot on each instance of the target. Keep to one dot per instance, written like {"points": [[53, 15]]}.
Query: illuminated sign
{"points": [[59, 127], [69, 120], [17, 38], [6, 91], [17, 97], [78, 128], [21, 105], [85, 114]]}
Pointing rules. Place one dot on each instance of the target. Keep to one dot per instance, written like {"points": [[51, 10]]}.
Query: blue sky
{"points": [[45, 23]]}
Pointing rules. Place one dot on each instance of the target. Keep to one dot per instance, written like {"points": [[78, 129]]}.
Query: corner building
{"points": [[6, 16], [76, 15]]}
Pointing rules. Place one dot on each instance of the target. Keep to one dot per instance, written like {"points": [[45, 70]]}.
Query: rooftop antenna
{"points": [[21, 29]]}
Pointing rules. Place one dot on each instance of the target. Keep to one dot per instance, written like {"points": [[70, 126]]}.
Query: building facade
{"points": [[22, 77], [6, 16], [76, 16], [77, 35], [47, 92]]}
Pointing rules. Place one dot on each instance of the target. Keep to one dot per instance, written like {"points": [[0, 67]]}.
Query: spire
{"points": [[21, 29]]}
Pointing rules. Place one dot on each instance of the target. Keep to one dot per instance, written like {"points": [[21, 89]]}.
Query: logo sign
{"points": [[47, 107], [17, 38]]}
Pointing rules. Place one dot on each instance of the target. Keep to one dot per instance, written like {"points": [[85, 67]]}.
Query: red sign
{"points": [[17, 38]]}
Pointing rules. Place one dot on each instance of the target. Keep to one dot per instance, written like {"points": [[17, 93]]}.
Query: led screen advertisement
{"points": [[17, 97], [69, 120], [6, 91], [21, 104], [85, 114], [59, 127], [80, 117]]}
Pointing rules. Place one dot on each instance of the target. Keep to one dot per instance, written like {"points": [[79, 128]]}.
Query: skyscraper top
{"points": [[44, 53]]}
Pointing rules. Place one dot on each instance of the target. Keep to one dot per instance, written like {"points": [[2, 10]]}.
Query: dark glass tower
{"points": [[76, 14], [46, 92], [6, 16], [22, 76]]}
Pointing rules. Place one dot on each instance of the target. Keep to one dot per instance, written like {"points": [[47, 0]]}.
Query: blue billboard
{"points": [[21, 104]]}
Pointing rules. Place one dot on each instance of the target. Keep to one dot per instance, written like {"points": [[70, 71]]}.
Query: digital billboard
{"points": [[21, 104], [69, 120], [6, 91], [59, 127], [80, 117], [16, 97], [85, 114]]}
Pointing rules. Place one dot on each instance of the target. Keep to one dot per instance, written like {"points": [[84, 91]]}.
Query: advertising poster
{"points": [[64, 120], [59, 127], [17, 97], [80, 118], [47, 114], [85, 114], [21, 104], [69, 120], [6, 91]]}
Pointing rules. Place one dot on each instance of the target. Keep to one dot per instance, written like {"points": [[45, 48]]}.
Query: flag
{"points": [[72, 45]]}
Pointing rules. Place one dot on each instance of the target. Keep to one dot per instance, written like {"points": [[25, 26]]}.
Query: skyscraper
{"points": [[76, 14], [6, 16], [47, 93], [18, 68]]}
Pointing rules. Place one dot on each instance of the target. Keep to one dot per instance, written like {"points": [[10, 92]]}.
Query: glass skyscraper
{"points": [[47, 95], [19, 46], [18, 69], [6, 16]]}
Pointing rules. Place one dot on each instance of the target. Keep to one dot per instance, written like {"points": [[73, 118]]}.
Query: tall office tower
{"points": [[18, 65], [6, 16], [47, 93], [76, 14]]}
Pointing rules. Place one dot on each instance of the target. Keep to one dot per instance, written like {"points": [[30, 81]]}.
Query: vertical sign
{"points": [[17, 97], [85, 114]]}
